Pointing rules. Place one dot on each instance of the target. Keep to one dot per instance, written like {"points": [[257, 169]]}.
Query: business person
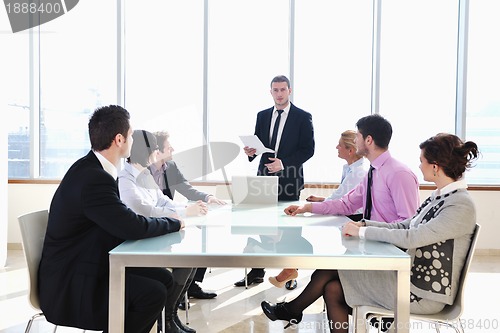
{"points": [[288, 131], [437, 238], [87, 219], [170, 180], [353, 171], [139, 191], [389, 194], [392, 193], [352, 174]]}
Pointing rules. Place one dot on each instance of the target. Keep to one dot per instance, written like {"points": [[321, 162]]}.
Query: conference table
{"points": [[258, 236]]}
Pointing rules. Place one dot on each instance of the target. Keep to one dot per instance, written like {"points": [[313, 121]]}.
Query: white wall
{"points": [[23, 198]]}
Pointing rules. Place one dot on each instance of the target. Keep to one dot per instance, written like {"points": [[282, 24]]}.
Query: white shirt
{"points": [[139, 191], [284, 115], [352, 175], [107, 165]]}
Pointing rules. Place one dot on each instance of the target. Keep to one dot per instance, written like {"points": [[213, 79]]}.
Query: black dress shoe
{"points": [[195, 291], [182, 326], [280, 311], [291, 285], [252, 277]]}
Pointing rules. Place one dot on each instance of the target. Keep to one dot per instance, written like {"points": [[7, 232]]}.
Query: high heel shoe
{"points": [[281, 284], [279, 311]]}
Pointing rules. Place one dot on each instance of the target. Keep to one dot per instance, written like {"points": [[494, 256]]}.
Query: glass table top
{"points": [[259, 231]]}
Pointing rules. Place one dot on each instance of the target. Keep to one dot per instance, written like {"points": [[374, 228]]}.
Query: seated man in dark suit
{"points": [[170, 179], [87, 219]]}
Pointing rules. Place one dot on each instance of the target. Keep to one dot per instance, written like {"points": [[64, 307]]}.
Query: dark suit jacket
{"points": [[86, 220], [296, 146], [177, 182]]}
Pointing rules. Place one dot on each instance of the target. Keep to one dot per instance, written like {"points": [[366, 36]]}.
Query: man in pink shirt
{"points": [[394, 189]]}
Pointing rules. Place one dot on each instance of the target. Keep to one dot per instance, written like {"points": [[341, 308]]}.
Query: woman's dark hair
{"points": [[142, 148], [450, 153], [377, 127], [105, 124]]}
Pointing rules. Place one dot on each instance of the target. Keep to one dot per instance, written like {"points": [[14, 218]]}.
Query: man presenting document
{"points": [[288, 131]]}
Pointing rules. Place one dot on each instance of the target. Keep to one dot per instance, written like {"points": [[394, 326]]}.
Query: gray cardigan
{"points": [[437, 238]]}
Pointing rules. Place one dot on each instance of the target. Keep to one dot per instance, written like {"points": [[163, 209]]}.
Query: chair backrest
{"points": [[454, 311], [33, 227]]}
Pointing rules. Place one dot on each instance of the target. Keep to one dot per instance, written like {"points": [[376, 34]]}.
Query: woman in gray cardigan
{"points": [[437, 238]]}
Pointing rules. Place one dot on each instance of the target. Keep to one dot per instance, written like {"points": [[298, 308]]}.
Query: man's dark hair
{"points": [[105, 123], [281, 78], [161, 136], [377, 127], [142, 148]]}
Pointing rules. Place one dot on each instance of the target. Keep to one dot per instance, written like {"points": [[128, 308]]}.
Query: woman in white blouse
{"points": [[353, 171], [139, 191]]}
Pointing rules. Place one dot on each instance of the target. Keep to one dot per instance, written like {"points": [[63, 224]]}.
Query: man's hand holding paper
{"points": [[253, 142]]}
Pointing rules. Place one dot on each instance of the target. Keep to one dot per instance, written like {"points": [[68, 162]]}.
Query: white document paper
{"points": [[253, 141]]}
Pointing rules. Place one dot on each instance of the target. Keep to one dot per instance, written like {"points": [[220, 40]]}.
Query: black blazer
{"points": [[296, 147], [177, 182], [86, 220]]}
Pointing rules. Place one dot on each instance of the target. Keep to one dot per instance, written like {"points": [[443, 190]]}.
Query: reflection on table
{"points": [[257, 237]]}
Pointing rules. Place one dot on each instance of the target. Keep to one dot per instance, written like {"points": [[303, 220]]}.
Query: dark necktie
{"points": [[275, 130], [166, 190], [368, 206]]}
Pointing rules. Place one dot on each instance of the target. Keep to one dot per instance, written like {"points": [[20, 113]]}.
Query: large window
{"points": [[201, 69], [77, 74], [15, 99], [245, 51], [483, 88], [418, 62], [333, 52], [71, 66], [164, 68]]}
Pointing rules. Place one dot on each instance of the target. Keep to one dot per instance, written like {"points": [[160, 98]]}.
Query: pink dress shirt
{"points": [[395, 194]]}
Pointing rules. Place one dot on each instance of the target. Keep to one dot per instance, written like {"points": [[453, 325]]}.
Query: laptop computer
{"points": [[254, 190]]}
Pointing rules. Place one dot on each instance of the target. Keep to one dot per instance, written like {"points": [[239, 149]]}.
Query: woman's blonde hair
{"points": [[347, 138]]}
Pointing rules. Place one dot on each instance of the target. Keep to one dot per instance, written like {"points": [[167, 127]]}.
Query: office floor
{"points": [[238, 309]]}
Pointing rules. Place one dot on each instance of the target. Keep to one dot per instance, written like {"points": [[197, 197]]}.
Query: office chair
{"points": [[449, 316], [33, 226]]}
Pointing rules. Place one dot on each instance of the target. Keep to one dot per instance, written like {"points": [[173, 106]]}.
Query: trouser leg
{"points": [[146, 292]]}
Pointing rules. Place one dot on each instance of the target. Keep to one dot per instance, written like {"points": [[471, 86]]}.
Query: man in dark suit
{"points": [[170, 179], [288, 131], [86, 220]]}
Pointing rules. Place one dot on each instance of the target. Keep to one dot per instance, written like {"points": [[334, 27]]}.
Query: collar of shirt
{"points": [[285, 110], [380, 160], [155, 170], [132, 170], [107, 165], [457, 185], [143, 178], [356, 164]]}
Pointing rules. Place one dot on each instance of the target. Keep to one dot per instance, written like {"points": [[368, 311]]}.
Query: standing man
{"points": [[170, 179], [392, 195], [288, 131], [87, 219]]}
